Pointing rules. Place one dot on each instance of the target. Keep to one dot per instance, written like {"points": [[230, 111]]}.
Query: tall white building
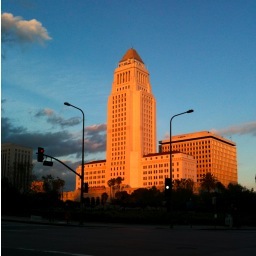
{"points": [[131, 134], [131, 119]]}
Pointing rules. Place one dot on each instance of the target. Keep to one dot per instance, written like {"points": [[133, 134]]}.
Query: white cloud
{"points": [[16, 29]]}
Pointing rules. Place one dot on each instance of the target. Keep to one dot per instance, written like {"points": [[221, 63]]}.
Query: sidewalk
{"points": [[34, 219]]}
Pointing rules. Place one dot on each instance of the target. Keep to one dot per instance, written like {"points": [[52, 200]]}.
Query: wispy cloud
{"points": [[54, 119], [241, 129]]}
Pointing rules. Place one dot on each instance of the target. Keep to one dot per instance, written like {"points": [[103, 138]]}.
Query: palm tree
{"points": [[118, 182], [111, 184]]}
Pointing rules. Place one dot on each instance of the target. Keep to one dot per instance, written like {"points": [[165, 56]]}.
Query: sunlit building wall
{"points": [[131, 120], [212, 152], [95, 174], [131, 139], [156, 167]]}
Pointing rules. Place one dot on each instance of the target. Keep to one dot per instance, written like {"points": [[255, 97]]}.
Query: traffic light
{"points": [[168, 187], [40, 154]]}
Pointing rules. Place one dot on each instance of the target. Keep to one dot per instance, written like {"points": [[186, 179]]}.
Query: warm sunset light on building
{"points": [[131, 140], [213, 154]]}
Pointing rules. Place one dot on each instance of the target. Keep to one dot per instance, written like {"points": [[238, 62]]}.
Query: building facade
{"points": [[156, 167], [131, 134], [16, 165], [94, 175], [131, 140], [212, 152], [131, 119]]}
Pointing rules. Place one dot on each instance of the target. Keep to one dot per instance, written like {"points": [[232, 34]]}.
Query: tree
{"points": [[187, 184], [111, 184], [143, 197], [220, 187], [118, 182], [53, 186], [104, 198], [122, 198], [114, 183], [208, 182]]}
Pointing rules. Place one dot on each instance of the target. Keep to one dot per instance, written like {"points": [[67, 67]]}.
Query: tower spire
{"points": [[131, 54]]}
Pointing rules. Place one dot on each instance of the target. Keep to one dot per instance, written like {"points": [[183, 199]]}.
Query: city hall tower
{"points": [[131, 120]]}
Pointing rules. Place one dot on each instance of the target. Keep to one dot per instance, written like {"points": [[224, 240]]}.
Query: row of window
{"points": [[123, 88], [156, 166], [118, 108], [119, 119], [94, 182], [119, 96], [123, 77], [160, 177], [141, 88], [119, 143], [93, 165], [155, 171], [155, 183], [94, 172], [117, 174], [118, 153], [94, 177], [118, 168], [118, 129], [118, 115]]}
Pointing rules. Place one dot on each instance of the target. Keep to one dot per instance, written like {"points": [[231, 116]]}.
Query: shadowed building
{"points": [[16, 165]]}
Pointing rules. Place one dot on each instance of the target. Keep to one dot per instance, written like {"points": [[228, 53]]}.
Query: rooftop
{"points": [[132, 54]]}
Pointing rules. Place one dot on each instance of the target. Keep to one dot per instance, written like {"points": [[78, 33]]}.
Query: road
{"points": [[41, 240]]}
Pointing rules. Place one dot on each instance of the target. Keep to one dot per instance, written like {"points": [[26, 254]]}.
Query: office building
{"points": [[212, 152], [131, 133], [16, 165]]}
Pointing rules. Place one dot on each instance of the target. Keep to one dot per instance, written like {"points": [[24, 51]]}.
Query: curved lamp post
{"points": [[82, 172], [186, 112]]}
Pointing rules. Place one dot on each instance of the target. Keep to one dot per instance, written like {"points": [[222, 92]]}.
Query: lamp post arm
{"points": [[179, 114]]}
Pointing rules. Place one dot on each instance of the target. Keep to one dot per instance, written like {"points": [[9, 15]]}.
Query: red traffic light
{"points": [[40, 154], [41, 150]]}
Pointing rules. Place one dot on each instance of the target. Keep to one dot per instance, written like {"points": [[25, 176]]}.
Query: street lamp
{"points": [[82, 172], [186, 112]]}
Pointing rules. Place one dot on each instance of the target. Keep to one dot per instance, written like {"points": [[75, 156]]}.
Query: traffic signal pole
{"points": [[63, 164]]}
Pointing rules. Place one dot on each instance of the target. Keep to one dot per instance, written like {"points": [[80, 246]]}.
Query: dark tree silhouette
{"points": [[208, 182]]}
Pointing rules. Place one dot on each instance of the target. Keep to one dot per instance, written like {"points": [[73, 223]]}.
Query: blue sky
{"points": [[200, 55]]}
